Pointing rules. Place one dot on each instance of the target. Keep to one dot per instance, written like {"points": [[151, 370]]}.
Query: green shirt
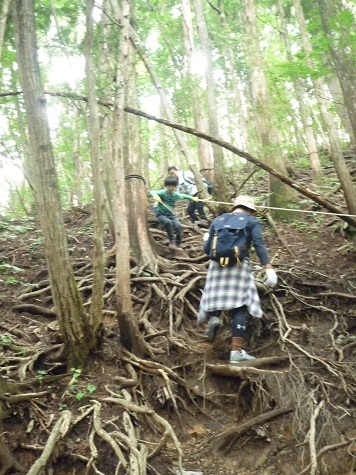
{"points": [[169, 200]]}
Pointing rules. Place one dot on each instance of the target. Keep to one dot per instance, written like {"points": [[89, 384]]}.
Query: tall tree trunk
{"points": [[136, 194], [196, 89], [343, 56], [68, 305], [304, 109], [281, 196], [129, 333], [334, 87], [321, 93], [235, 108], [218, 156], [97, 300], [165, 104], [3, 19]]}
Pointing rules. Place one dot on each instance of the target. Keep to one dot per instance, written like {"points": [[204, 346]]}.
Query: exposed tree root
{"points": [[184, 376], [225, 440], [59, 430]]}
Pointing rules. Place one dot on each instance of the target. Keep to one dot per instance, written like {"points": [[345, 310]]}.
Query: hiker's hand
{"points": [[271, 278], [205, 237], [195, 198], [157, 199]]}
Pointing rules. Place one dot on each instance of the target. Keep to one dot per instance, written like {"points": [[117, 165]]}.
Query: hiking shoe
{"points": [[237, 356], [172, 245], [213, 327]]}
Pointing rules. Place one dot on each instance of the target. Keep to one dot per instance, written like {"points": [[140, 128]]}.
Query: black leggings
{"points": [[196, 206], [238, 320]]}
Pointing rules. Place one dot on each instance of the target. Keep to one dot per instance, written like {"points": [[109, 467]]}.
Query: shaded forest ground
{"points": [[291, 413]]}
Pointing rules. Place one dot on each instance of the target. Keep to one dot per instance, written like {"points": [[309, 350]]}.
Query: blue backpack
{"points": [[230, 243]]}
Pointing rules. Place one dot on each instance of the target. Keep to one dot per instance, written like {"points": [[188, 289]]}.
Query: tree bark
{"points": [[141, 242], [129, 333], [343, 174], [304, 109], [3, 19], [97, 301], [342, 56], [280, 195], [220, 188], [160, 89], [68, 305]]}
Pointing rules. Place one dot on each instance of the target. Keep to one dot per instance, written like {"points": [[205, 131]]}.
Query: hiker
{"points": [[187, 185], [164, 211], [233, 287]]}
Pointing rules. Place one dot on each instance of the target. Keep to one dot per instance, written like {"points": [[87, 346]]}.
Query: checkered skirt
{"points": [[229, 287]]}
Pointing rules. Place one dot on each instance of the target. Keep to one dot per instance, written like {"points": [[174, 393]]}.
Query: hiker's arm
{"points": [[156, 195], [207, 243], [183, 196], [262, 253], [260, 246]]}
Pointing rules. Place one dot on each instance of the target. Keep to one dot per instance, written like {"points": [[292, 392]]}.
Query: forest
{"points": [[104, 369]]}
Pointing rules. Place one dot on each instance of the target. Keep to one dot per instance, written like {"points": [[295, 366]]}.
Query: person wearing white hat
{"points": [[233, 287]]}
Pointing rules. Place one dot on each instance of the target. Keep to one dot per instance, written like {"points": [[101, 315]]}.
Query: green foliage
{"points": [[5, 340], [75, 389], [89, 389], [21, 228], [6, 269], [40, 374]]}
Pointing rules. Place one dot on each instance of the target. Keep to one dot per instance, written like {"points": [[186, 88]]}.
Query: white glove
{"points": [[205, 237], [271, 278]]}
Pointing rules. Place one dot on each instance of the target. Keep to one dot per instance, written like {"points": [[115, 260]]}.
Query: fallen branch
{"points": [[250, 158], [34, 310], [229, 436], [243, 369]]}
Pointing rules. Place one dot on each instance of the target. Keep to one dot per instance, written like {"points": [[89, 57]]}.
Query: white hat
{"points": [[244, 200]]}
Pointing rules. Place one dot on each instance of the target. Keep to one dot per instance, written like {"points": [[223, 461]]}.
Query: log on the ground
{"points": [[245, 368]]}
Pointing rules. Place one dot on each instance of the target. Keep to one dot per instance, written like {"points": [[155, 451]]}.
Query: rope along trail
{"points": [[284, 209], [269, 207]]}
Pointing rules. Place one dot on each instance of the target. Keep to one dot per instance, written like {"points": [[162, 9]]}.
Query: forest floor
{"points": [[291, 412]]}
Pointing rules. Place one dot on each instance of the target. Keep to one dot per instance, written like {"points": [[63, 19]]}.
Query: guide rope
{"points": [[284, 209]]}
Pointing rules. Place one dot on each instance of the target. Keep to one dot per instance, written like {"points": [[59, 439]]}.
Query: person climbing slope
{"points": [[186, 183], [230, 285], [164, 211]]}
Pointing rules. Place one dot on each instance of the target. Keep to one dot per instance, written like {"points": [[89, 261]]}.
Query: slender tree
{"points": [[68, 305], [3, 18], [328, 119], [183, 147], [342, 51], [218, 156], [136, 186], [97, 301], [129, 333], [280, 194], [304, 108]]}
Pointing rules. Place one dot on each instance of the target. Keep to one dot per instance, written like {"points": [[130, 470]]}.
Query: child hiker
{"points": [[233, 287], [186, 182], [166, 200]]}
